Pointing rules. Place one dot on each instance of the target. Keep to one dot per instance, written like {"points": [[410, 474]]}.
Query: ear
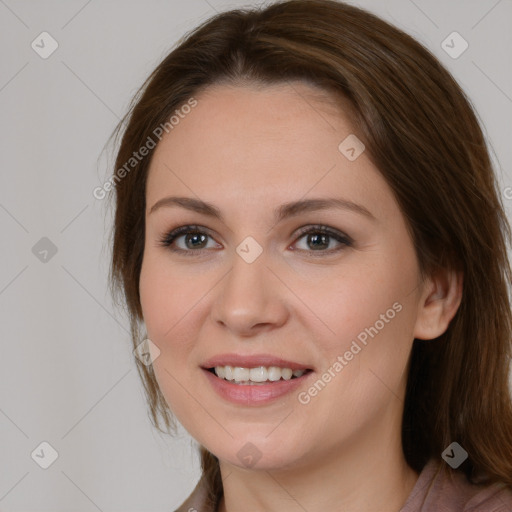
{"points": [[438, 304]]}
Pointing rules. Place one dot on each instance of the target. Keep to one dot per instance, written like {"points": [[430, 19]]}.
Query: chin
{"points": [[260, 451]]}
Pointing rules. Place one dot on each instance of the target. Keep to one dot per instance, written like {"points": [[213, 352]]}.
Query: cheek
{"points": [[364, 363], [172, 301], [167, 297], [371, 317], [360, 304]]}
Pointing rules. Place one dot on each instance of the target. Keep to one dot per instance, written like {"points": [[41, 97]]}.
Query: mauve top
{"points": [[434, 491]]}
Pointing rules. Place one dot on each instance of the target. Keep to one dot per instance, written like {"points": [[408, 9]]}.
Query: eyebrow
{"points": [[284, 211]]}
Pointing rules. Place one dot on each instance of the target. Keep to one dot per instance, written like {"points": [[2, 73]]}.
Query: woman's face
{"points": [[253, 289]]}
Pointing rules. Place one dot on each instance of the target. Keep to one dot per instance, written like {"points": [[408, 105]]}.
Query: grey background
{"points": [[67, 374]]}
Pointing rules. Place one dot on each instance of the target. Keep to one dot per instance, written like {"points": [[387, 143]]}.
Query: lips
{"points": [[252, 361], [254, 393]]}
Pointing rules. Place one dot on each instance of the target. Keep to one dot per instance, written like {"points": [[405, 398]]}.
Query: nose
{"points": [[250, 298]]}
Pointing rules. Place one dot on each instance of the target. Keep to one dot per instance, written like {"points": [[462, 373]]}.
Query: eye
{"points": [[318, 238], [195, 238]]}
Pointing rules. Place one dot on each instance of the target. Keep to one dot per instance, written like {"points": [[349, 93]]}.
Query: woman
{"points": [[308, 226]]}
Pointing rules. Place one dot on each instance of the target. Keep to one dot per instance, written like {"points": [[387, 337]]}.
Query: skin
{"points": [[247, 150]]}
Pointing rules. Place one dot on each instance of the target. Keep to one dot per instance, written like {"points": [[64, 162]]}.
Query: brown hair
{"points": [[421, 132]]}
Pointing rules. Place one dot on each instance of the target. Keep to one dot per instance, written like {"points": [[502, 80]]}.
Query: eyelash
{"points": [[168, 238]]}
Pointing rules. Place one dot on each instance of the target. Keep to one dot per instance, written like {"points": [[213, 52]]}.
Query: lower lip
{"points": [[256, 394]]}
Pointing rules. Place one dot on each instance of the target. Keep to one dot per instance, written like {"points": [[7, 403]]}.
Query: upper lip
{"points": [[252, 361]]}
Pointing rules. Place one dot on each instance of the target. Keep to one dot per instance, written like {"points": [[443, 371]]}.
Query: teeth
{"points": [[259, 374], [241, 374], [274, 373]]}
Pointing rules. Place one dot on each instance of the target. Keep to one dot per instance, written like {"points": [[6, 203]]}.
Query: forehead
{"points": [[259, 142]]}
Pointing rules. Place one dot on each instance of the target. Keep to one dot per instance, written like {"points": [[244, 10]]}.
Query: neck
{"points": [[366, 474]]}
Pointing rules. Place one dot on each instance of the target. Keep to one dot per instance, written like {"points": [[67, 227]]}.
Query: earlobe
{"points": [[438, 304]]}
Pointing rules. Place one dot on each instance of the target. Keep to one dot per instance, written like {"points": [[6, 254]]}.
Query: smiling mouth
{"points": [[257, 375]]}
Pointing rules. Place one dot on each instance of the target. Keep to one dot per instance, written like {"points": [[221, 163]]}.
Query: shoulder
{"points": [[489, 498], [440, 488]]}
